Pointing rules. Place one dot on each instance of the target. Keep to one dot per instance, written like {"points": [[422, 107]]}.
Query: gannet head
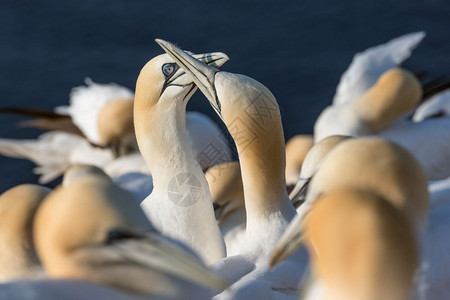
{"points": [[379, 166], [18, 205], [365, 164], [311, 164], [296, 150], [209, 91], [93, 230], [162, 82], [251, 114], [103, 113], [162, 92], [359, 242], [225, 186], [115, 122], [395, 93]]}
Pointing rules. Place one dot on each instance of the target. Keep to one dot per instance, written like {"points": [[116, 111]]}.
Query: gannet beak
{"points": [[289, 242], [202, 74], [298, 194], [158, 252], [213, 59]]}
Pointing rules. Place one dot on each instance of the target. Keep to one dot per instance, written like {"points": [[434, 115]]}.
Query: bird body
{"points": [[90, 229]]}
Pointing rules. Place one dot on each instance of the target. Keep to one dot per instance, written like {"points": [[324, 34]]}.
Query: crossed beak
{"points": [[202, 74]]}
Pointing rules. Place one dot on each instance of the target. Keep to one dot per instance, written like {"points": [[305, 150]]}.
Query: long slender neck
{"points": [[163, 142], [180, 202], [258, 133]]}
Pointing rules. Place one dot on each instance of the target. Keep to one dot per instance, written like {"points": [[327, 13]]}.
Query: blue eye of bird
{"points": [[168, 69]]}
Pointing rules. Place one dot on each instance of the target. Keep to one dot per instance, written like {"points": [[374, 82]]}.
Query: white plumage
{"points": [[86, 102], [367, 66]]}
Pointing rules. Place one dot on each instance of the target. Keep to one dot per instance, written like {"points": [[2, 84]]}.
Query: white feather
{"points": [[438, 104], [368, 66], [53, 152], [86, 103]]}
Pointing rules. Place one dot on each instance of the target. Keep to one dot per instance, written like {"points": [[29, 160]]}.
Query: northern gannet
{"points": [[361, 247], [180, 203], [395, 93], [102, 113], [55, 151], [380, 112], [296, 149], [18, 258], [253, 119], [227, 194], [368, 164], [311, 164], [368, 66], [389, 170], [92, 230]]}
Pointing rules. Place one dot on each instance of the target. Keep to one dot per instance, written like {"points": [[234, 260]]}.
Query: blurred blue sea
{"points": [[298, 49]]}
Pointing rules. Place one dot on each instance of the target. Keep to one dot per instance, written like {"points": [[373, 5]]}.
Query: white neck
{"points": [[181, 211]]}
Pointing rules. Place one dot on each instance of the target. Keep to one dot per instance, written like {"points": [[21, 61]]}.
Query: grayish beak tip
{"points": [[164, 44]]}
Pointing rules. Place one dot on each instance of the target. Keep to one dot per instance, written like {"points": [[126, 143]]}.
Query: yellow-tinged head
{"points": [[115, 121], [162, 92], [18, 205], [296, 150], [90, 229], [378, 166], [395, 93], [311, 164], [361, 247]]}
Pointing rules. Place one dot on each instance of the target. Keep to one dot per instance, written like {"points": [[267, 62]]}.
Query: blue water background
{"points": [[298, 49]]}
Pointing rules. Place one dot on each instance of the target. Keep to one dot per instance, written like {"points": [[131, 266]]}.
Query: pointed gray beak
{"points": [[160, 253], [289, 243], [202, 74], [298, 194]]}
